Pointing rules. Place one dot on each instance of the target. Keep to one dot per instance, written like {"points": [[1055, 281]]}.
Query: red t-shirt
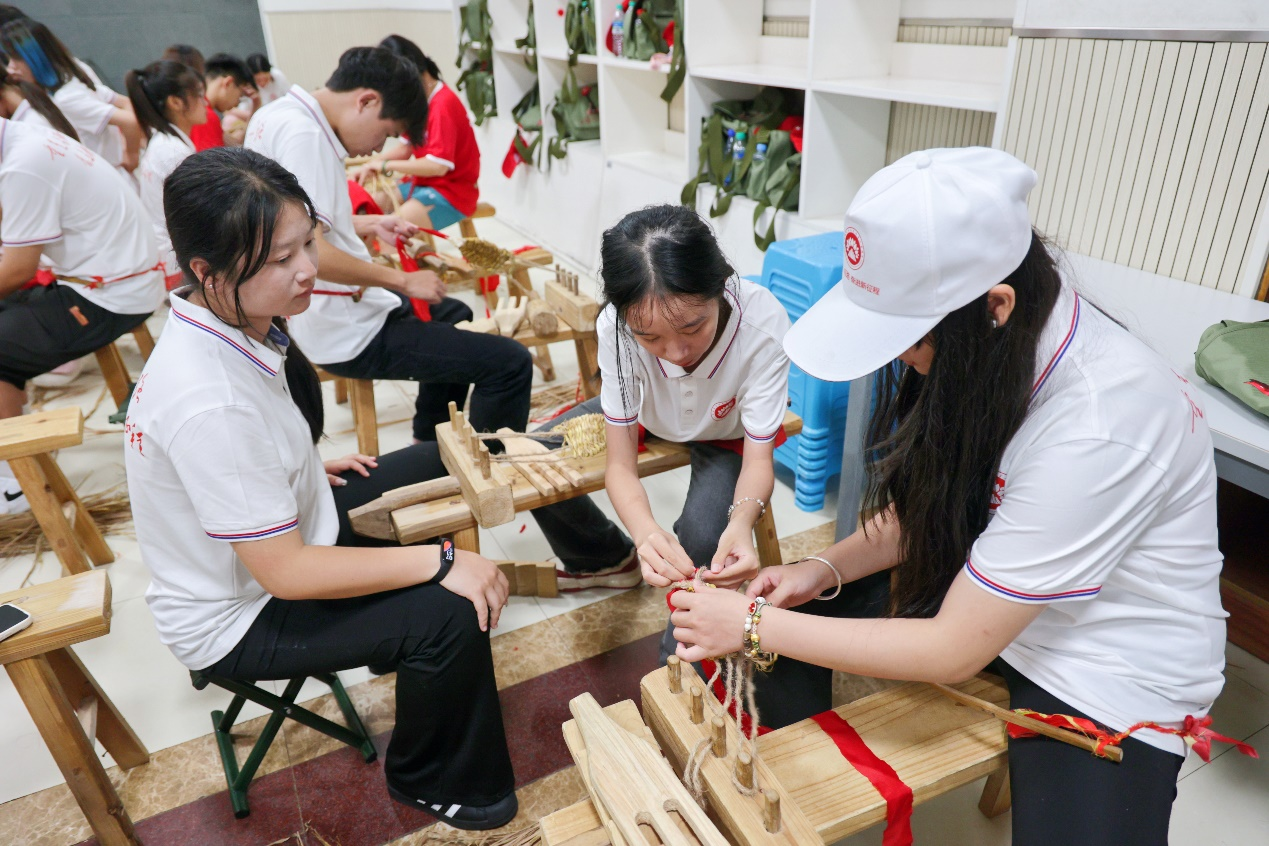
{"points": [[450, 138], [208, 135]]}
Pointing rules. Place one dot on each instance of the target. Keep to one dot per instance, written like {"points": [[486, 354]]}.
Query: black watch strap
{"points": [[447, 561]]}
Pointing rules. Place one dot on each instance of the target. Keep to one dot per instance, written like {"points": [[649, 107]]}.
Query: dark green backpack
{"points": [[528, 117], [576, 114], [643, 28], [678, 58], [478, 83], [474, 25], [528, 45], [579, 27], [1235, 356], [476, 80]]}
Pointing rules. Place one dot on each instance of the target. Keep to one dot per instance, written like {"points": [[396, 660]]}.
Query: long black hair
{"points": [[149, 88], [39, 100], [407, 49], [657, 254], [51, 63], [221, 206], [937, 440]]}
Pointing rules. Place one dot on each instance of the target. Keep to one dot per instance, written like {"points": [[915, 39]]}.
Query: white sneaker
{"points": [[61, 375], [12, 500]]}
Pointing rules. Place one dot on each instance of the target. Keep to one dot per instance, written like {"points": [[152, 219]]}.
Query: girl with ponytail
{"points": [[167, 98]]}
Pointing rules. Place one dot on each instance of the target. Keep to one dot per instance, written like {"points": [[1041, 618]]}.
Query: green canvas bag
{"points": [[528, 45], [478, 83], [643, 28], [475, 23], [528, 117], [779, 189], [678, 57], [576, 114], [729, 173], [1234, 356], [579, 28]]}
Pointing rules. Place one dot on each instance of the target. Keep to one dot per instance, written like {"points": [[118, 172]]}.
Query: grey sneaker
{"points": [[623, 576]]}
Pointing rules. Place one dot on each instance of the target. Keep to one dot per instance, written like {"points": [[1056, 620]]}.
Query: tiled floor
{"points": [[543, 649]]}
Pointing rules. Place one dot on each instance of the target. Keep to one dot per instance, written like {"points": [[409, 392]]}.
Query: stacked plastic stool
{"points": [[799, 271]]}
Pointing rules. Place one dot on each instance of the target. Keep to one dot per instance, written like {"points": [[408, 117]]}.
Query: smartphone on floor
{"points": [[12, 620]]}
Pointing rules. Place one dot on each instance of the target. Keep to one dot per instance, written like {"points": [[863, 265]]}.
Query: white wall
{"points": [[1145, 14]]}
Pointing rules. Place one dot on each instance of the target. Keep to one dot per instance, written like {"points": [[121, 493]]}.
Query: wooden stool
{"points": [[116, 372], [64, 700], [282, 707], [25, 442], [365, 418], [467, 227]]}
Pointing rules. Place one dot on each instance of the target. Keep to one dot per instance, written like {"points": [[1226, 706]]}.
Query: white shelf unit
{"points": [[851, 69]]}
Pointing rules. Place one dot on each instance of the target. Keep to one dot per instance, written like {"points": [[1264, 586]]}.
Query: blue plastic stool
{"points": [[799, 271]]}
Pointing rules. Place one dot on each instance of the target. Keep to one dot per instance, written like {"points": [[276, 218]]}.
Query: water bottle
{"points": [[760, 152], [618, 34], [738, 152], [729, 143]]}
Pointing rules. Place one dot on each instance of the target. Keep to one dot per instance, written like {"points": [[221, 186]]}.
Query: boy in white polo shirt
{"points": [[359, 325], [65, 205]]}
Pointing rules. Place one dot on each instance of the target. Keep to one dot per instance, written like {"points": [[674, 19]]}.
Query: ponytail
{"points": [[149, 88], [305, 386]]}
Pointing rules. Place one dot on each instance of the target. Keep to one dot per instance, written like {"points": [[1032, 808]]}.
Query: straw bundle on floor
{"points": [[21, 535]]}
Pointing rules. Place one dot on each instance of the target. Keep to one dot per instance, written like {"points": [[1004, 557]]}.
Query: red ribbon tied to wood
{"points": [[1195, 732]]}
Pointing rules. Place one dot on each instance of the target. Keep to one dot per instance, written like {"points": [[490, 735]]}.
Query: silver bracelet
{"points": [[830, 566], [744, 499]]}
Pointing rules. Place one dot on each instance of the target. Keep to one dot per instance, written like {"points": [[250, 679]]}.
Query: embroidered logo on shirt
{"points": [[722, 409], [997, 492]]}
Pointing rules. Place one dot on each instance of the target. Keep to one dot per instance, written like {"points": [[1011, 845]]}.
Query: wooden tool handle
{"points": [[1114, 753]]}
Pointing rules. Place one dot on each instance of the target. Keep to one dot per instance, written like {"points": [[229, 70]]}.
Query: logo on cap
{"points": [[854, 249]]}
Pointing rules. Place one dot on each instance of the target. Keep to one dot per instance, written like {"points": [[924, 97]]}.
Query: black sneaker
{"points": [[466, 817]]}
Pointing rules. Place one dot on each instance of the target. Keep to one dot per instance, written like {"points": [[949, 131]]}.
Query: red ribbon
{"points": [[881, 775], [408, 264], [1194, 732]]}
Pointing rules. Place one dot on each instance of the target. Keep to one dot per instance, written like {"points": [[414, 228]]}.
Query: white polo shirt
{"points": [[1105, 510], [89, 111], [24, 113], [739, 390], [294, 132], [162, 154], [56, 193], [216, 452]]}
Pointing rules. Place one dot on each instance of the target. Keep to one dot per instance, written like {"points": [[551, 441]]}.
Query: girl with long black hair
{"points": [[1043, 488], [235, 513], [167, 98]]}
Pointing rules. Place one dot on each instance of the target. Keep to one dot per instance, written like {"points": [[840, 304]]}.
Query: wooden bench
{"points": [[365, 417], [26, 443], [467, 227], [445, 507], [115, 372], [68, 706]]}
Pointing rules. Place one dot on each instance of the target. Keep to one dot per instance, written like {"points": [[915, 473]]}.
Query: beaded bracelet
{"points": [[762, 505], [751, 643], [830, 566]]}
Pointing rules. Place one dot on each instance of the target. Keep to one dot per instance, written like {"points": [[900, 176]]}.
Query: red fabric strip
{"points": [[409, 265], [881, 775]]}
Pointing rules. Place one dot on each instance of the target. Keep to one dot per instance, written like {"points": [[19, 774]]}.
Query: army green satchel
{"points": [[1235, 357]]}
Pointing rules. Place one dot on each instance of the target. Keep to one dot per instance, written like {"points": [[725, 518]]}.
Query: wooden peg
{"points": [[744, 769], [473, 443], [697, 706], [453, 415], [675, 674], [459, 424], [771, 811], [484, 461], [718, 736]]}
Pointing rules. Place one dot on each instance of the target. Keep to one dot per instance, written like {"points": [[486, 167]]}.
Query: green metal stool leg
{"points": [[351, 717]]}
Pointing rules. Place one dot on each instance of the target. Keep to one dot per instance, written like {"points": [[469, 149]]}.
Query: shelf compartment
{"points": [[951, 75]]}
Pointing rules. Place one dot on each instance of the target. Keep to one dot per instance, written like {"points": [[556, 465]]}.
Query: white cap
{"points": [[924, 236]]}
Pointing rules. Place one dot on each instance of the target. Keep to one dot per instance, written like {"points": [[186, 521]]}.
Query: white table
{"points": [[1170, 316]]}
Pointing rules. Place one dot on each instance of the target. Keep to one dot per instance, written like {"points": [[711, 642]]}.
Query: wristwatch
{"points": [[447, 562]]}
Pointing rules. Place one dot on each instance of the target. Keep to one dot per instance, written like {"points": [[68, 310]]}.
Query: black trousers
{"points": [[1063, 796], [448, 745], [45, 326], [446, 362]]}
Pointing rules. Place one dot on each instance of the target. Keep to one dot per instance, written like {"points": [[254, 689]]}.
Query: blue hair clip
{"points": [[41, 68]]}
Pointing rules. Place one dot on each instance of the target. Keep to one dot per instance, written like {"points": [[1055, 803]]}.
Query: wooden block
{"points": [[576, 825], [508, 569], [43, 431], [490, 499], [374, 519], [541, 317], [740, 816], [548, 587], [540, 484], [63, 612], [631, 784], [577, 310], [548, 472], [526, 578], [934, 746], [417, 523]]}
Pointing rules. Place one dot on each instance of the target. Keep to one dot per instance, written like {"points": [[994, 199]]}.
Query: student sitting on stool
{"points": [[62, 203], [358, 326]]}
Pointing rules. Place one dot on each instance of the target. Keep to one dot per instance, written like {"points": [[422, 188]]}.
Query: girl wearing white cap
{"points": [[1048, 498]]}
